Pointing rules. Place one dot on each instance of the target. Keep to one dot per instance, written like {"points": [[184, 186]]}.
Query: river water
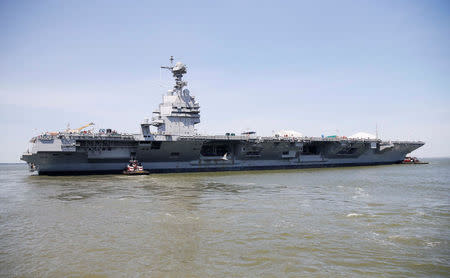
{"points": [[381, 221]]}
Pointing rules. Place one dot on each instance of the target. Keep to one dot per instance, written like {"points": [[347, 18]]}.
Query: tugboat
{"points": [[32, 167], [135, 168], [412, 160]]}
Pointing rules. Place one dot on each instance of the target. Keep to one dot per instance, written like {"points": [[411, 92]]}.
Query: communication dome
{"points": [[363, 135], [179, 67]]}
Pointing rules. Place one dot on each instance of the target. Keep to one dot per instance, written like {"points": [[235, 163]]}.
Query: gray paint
{"points": [[175, 146]]}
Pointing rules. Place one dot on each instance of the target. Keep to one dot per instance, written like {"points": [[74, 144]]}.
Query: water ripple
{"points": [[388, 221]]}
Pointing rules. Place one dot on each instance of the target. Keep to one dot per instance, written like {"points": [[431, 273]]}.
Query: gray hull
{"points": [[175, 146], [201, 155]]}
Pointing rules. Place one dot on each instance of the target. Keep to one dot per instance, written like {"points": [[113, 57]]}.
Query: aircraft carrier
{"points": [[169, 142]]}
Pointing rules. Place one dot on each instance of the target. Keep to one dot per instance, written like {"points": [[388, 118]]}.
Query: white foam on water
{"points": [[433, 243], [354, 215], [360, 193]]}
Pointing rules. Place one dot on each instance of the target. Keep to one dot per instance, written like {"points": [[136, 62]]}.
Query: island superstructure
{"points": [[169, 142]]}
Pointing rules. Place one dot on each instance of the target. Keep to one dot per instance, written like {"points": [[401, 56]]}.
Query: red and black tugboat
{"points": [[412, 160], [135, 168]]}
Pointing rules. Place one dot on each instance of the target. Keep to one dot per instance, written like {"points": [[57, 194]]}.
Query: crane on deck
{"points": [[78, 130]]}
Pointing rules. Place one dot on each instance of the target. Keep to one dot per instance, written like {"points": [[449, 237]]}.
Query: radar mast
{"points": [[178, 70], [179, 112]]}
